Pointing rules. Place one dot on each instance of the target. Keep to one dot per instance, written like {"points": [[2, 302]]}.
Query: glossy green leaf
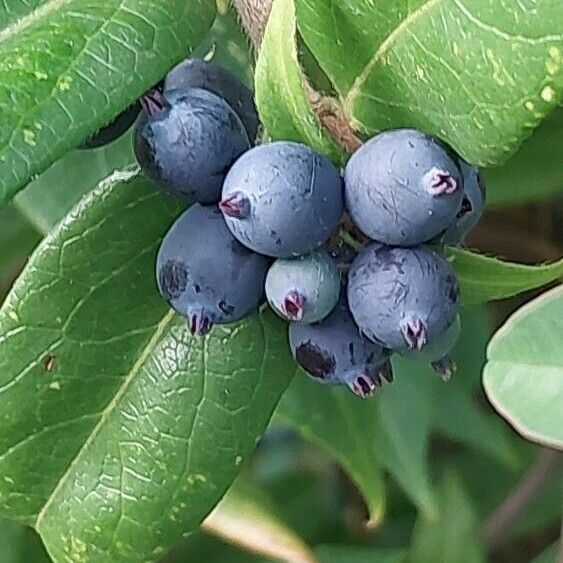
{"points": [[484, 279], [535, 172], [281, 98], [523, 377], [20, 544], [347, 554], [480, 74], [453, 537], [46, 200], [247, 518], [119, 431], [346, 427], [67, 67]]}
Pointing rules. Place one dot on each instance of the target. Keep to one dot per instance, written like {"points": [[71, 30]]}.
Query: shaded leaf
{"points": [[46, 200], [119, 431], [346, 427], [405, 418], [67, 68], [390, 431], [17, 239], [457, 413], [20, 544], [348, 554], [461, 418], [535, 172], [483, 278], [523, 377], [283, 104], [227, 45], [453, 537], [246, 517], [413, 64], [549, 555]]}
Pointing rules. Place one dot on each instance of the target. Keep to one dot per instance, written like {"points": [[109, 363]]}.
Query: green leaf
{"points": [[17, 240], [460, 417], [137, 428], [535, 172], [348, 554], [549, 555], [68, 67], [46, 200], [227, 45], [458, 413], [281, 98], [523, 377], [346, 427], [247, 518], [453, 537], [405, 418], [414, 64], [20, 544], [390, 430], [483, 278]]}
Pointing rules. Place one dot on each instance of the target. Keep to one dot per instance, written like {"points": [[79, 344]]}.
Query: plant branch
{"points": [[538, 476], [254, 16]]}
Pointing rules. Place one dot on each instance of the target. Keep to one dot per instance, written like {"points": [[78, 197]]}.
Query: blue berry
{"points": [[437, 351], [282, 199], [186, 141], [305, 288], [402, 188], [402, 298], [205, 274], [472, 206], [333, 352], [196, 73]]}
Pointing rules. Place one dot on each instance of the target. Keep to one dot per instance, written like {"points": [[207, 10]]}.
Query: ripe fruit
{"points": [[282, 199], [402, 298], [402, 188], [305, 288], [437, 351], [196, 73], [115, 129], [334, 352], [472, 206], [186, 141], [205, 274]]}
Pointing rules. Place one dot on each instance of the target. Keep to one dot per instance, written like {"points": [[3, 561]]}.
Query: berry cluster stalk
{"points": [[254, 16]]}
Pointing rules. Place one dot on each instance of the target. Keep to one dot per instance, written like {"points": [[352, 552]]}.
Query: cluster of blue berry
{"points": [[268, 216]]}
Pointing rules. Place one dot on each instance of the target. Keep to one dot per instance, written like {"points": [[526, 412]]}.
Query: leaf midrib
{"points": [[30, 18], [384, 47], [128, 380]]}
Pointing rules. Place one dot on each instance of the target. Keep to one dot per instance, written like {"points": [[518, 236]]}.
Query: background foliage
{"points": [[120, 433]]}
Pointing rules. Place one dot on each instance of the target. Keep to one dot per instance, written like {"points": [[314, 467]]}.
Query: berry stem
{"points": [[347, 238], [254, 17]]}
